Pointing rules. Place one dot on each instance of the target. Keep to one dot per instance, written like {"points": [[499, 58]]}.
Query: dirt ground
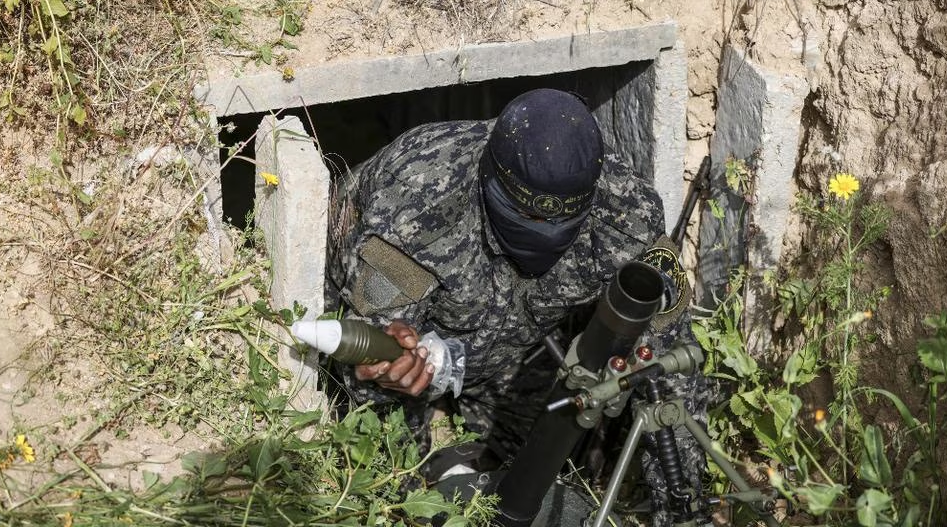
{"points": [[878, 80]]}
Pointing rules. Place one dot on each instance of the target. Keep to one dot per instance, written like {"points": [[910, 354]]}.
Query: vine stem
{"points": [[846, 389]]}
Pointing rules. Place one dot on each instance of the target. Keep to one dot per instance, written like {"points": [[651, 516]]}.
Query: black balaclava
{"points": [[539, 172]]}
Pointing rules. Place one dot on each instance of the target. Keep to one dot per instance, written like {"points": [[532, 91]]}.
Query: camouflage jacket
{"points": [[420, 248]]}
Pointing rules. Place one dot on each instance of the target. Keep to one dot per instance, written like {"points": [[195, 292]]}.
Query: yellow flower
{"points": [[67, 519], [843, 185], [820, 423], [269, 179], [6, 461], [288, 74], [25, 449]]}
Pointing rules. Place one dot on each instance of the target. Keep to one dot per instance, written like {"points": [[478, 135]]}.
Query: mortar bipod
{"points": [[659, 417]]}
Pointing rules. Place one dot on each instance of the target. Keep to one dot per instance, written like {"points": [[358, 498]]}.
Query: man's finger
{"points": [[423, 381], [401, 366], [417, 368], [370, 372], [406, 335]]}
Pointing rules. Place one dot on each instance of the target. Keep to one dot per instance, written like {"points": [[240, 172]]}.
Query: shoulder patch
{"points": [[389, 278], [664, 257]]}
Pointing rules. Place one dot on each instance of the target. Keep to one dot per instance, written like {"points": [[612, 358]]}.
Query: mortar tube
{"points": [[623, 313]]}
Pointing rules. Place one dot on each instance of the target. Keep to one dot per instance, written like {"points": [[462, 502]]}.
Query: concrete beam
{"points": [[293, 216], [669, 129], [340, 81], [758, 121]]}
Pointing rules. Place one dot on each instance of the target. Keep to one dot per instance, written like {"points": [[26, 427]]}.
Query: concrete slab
{"points": [[293, 216], [669, 129], [758, 121], [334, 82]]}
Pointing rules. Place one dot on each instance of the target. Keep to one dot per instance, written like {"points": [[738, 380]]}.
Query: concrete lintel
{"points": [[352, 80]]}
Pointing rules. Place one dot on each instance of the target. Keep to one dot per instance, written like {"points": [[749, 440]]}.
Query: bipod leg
{"points": [[624, 459], [707, 444]]}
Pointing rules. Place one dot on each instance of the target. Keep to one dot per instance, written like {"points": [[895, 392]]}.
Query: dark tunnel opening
{"points": [[351, 131]]}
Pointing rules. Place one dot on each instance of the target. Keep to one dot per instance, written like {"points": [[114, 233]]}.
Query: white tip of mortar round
{"points": [[323, 335]]}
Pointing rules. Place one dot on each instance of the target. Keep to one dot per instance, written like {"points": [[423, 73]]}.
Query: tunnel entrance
{"points": [[349, 132], [337, 115]]}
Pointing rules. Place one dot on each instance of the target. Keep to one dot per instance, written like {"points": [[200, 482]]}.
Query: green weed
{"points": [[830, 463]]}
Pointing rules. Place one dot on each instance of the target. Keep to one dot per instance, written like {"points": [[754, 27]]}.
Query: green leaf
{"points": [[456, 521], [78, 114], [870, 505], [290, 24], [204, 464], [86, 234], [785, 407], [874, 468], [425, 504], [364, 450], [819, 498], [738, 406], [933, 354], [232, 15], [11, 4], [51, 45], [264, 457], [911, 516], [715, 209], [54, 8], [702, 335], [341, 434], [266, 53], [800, 366], [754, 397], [301, 420], [149, 478], [361, 481], [370, 422], [766, 432]]}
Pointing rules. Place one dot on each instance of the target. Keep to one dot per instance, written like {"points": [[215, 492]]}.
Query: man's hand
{"points": [[410, 373]]}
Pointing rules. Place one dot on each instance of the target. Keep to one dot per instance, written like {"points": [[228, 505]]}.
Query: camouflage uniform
{"points": [[419, 199]]}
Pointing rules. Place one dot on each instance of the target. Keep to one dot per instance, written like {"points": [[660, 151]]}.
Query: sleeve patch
{"points": [[389, 278], [663, 256]]}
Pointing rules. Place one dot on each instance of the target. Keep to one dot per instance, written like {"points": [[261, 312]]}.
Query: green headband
{"points": [[539, 203]]}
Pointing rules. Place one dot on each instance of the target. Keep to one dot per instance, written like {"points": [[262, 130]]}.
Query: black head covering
{"points": [[539, 169]]}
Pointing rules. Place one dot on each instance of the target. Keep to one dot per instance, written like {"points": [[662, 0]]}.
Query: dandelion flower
{"points": [[25, 449], [819, 415], [270, 179], [843, 185]]}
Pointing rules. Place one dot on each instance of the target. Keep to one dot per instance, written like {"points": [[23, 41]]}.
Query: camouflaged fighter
{"points": [[492, 234]]}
